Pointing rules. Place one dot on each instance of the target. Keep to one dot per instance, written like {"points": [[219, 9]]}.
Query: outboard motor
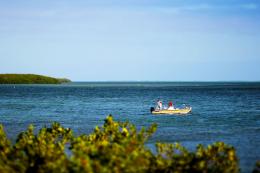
{"points": [[152, 109]]}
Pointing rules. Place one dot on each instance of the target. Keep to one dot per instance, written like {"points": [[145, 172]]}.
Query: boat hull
{"points": [[175, 111]]}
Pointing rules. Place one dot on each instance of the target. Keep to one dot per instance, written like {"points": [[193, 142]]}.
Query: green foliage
{"points": [[114, 147], [29, 79], [63, 80], [257, 167]]}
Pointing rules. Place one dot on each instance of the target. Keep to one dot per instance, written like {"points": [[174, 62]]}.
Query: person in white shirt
{"points": [[159, 105]]}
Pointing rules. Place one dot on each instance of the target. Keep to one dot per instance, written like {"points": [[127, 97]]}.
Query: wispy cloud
{"points": [[27, 12], [249, 6], [78, 11], [205, 7]]}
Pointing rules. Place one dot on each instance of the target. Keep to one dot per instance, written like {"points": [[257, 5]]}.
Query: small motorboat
{"points": [[174, 111]]}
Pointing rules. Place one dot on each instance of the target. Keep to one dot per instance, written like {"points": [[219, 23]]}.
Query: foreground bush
{"points": [[114, 147], [257, 167]]}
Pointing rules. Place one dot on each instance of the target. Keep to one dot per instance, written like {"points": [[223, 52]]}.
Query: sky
{"points": [[132, 40]]}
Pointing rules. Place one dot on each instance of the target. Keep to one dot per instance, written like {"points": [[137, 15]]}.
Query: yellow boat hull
{"points": [[175, 111]]}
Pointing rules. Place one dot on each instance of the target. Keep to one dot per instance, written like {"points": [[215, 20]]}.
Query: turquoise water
{"points": [[228, 112]]}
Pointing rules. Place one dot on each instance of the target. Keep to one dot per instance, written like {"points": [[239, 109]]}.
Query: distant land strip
{"points": [[30, 79]]}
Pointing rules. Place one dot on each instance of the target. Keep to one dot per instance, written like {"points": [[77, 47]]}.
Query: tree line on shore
{"points": [[30, 79]]}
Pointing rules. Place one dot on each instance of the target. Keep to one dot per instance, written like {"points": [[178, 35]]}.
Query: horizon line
{"points": [[166, 81]]}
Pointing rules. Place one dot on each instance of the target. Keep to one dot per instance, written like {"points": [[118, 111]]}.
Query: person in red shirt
{"points": [[170, 106]]}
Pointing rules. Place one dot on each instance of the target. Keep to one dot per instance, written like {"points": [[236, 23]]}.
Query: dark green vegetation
{"points": [[114, 147], [30, 79], [257, 167]]}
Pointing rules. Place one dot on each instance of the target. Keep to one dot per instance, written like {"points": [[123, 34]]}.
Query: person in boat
{"points": [[159, 105], [170, 106]]}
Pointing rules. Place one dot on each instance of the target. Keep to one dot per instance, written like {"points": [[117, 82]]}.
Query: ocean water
{"points": [[222, 111]]}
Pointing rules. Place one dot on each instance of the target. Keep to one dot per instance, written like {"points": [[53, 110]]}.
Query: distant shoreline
{"points": [[30, 79]]}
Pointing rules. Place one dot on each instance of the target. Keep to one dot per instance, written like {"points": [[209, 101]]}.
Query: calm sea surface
{"points": [[228, 112]]}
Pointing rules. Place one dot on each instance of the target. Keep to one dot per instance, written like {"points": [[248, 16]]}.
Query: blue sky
{"points": [[151, 40]]}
